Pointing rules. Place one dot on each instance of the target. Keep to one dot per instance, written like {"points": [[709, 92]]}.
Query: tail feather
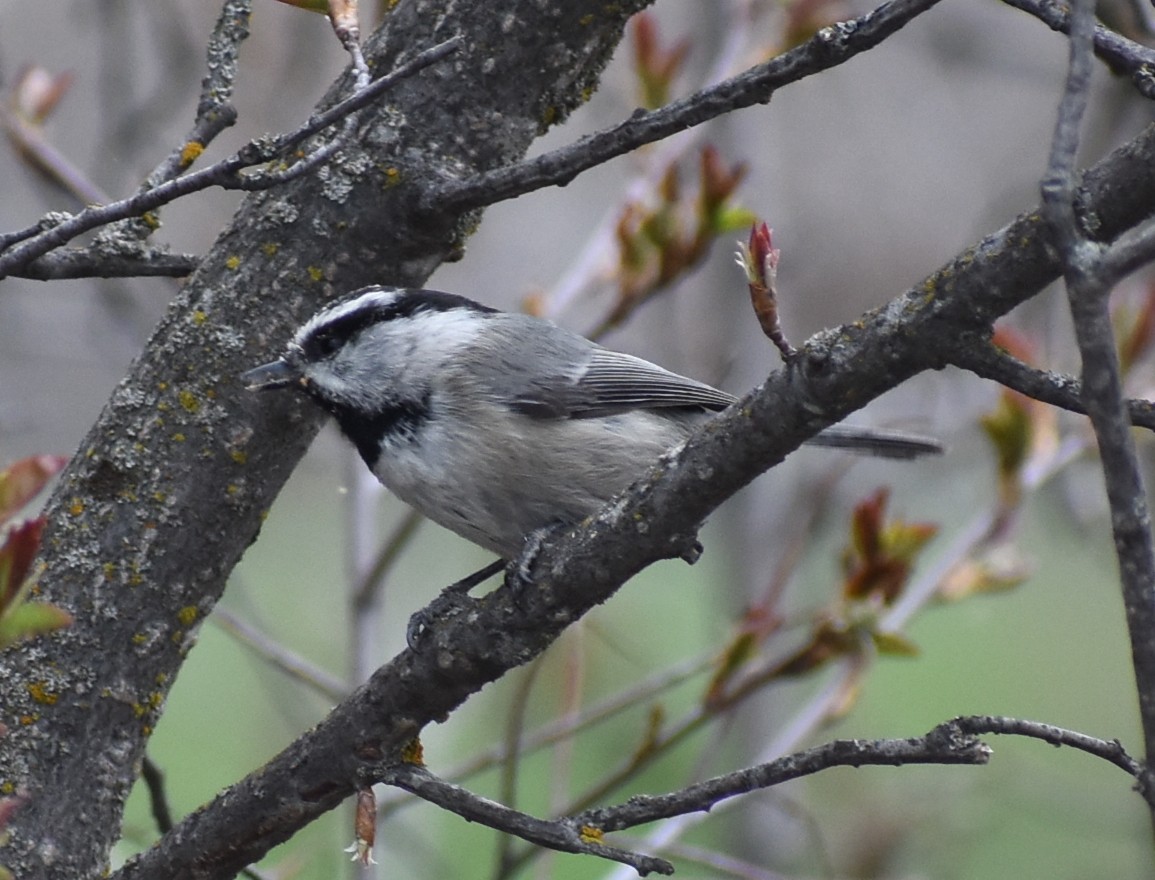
{"points": [[873, 441]]}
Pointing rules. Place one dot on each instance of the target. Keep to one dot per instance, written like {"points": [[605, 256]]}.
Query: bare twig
{"points": [[830, 47], [226, 174], [153, 778], [564, 836], [985, 359], [1088, 290], [568, 727], [215, 111], [943, 745], [1109, 750], [1121, 54], [96, 263]]}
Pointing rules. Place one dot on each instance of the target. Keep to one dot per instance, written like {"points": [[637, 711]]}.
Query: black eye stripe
{"points": [[328, 337]]}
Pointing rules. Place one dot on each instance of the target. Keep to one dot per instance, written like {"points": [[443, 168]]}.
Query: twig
{"points": [[564, 836], [943, 745], [951, 743], [1121, 54], [588, 264], [96, 263], [1088, 290], [1109, 750], [226, 173], [984, 358], [565, 728], [828, 48], [153, 778], [215, 111]]}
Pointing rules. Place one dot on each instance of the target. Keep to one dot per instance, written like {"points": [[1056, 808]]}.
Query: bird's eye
{"points": [[326, 344]]}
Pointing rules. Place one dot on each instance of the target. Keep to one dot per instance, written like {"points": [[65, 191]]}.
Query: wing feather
{"points": [[613, 381], [588, 380]]}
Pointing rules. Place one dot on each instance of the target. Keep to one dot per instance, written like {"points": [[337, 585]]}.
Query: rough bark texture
{"points": [[170, 485]]}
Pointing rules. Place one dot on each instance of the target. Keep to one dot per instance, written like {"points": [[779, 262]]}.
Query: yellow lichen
{"points": [[413, 752], [179, 437], [233, 262], [315, 273], [590, 834], [199, 317], [41, 694], [270, 248], [189, 401], [190, 153], [239, 456], [188, 615], [76, 507]]}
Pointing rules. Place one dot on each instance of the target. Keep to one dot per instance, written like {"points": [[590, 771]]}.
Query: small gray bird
{"points": [[497, 425]]}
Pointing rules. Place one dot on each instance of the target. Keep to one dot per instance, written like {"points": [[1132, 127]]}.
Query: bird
{"points": [[500, 425]]}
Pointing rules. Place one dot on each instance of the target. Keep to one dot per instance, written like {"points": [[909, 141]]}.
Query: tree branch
{"points": [[950, 743], [560, 835], [97, 263], [1088, 291], [829, 48], [1121, 54], [983, 358], [945, 744], [225, 173]]}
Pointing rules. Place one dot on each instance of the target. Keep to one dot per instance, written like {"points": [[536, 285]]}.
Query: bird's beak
{"points": [[278, 374]]}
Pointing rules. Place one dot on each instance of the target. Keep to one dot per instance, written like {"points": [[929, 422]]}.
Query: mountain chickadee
{"points": [[494, 424]]}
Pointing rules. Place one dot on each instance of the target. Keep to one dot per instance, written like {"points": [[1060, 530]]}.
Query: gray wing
{"points": [[545, 371], [613, 382]]}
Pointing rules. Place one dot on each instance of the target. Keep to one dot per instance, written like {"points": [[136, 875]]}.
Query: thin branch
{"points": [[828, 48], [1121, 54], [985, 359], [153, 778], [1088, 291], [1109, 750], [226, 173], [1132, 250], [951, 743], [566, 728], [562, 836], [96, 263], [215, 111], [943, 745]]}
